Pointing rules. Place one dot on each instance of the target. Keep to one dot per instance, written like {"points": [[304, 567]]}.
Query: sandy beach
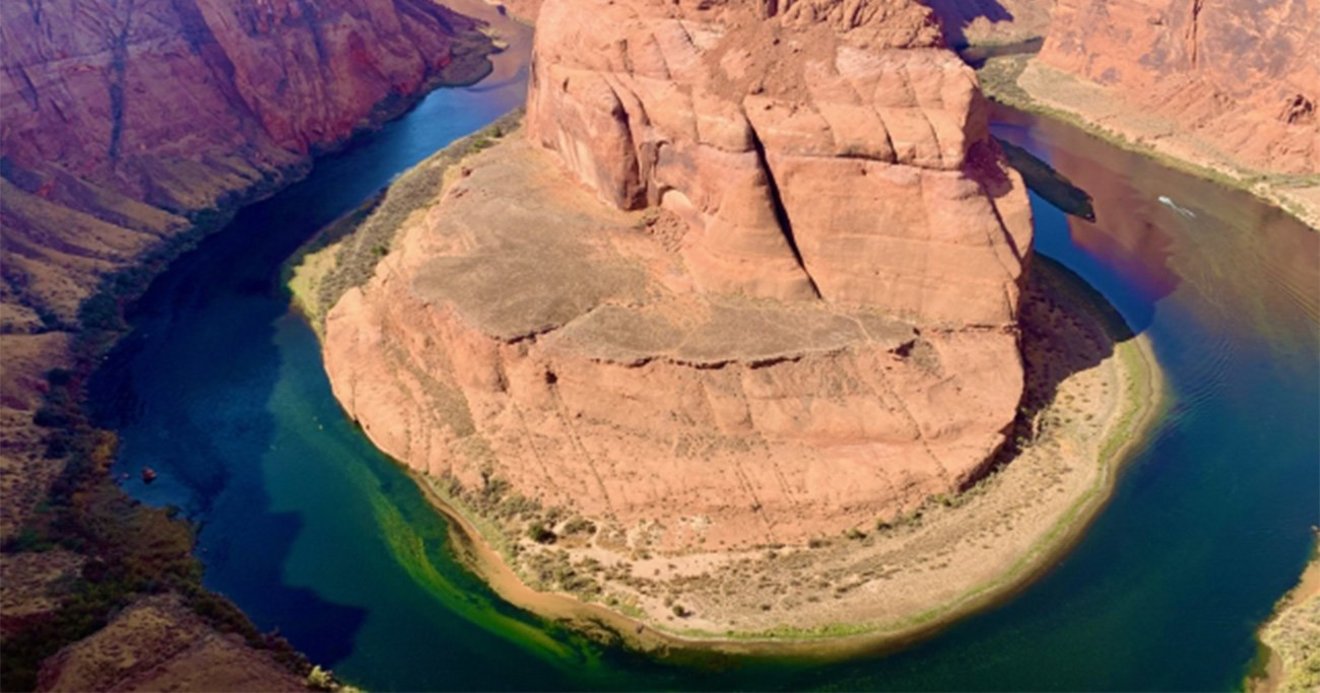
{"points": [[1291, 638]]}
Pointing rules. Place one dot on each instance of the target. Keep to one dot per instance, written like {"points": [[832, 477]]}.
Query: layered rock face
{"points": [[750, 277], [823, 151], [120, 117], [1243, 76], [120, 120]]}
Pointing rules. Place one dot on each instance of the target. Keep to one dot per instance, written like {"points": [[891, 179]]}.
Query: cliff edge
{"points": [[126, 129], [748, 280]]}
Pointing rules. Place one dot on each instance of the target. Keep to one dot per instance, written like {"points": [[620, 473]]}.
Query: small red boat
{"points": [[148, 474]]}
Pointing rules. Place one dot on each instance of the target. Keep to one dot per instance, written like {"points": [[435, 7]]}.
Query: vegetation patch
{"points": [[345, 254]]}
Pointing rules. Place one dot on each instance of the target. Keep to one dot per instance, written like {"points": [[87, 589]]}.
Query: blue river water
{"points": [[220, 388]]}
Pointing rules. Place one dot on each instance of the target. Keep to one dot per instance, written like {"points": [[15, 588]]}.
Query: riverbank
{"points": [[87, 554], [1094, 389], [1023, 83], [1290, 639]]}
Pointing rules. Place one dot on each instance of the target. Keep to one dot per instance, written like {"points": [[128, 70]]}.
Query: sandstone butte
{"points": [[747, 281], [1230, 86], [122, 124]]}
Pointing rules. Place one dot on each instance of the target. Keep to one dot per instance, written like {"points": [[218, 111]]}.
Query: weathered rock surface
{"points": [[158, 644], [119, 119], [782, 303], [831, 150], [1243, 77], [524, 332], [123, 123]]}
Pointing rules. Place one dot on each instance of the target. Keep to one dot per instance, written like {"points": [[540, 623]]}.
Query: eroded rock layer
{"points": [[118, 119], [122, 123], [1243, 76], [829, 150], [751, 277]]}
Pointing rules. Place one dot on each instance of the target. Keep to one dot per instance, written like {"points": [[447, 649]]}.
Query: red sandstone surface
{"points": [[751, 276]]}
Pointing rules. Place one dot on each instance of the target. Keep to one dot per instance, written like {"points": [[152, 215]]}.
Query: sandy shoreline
{"points": [[1290, 639], [1035, 88]]}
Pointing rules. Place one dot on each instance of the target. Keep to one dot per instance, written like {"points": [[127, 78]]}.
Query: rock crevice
{"points": [[749, 274]]}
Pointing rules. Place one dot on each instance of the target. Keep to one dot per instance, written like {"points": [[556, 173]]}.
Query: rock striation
{"points": [[1242, 77], [125, 124], [824, 151], [749, 275], [119, 120]]}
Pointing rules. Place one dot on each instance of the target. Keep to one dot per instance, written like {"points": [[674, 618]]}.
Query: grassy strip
{"points": [[1270, 669], [345, 254]]}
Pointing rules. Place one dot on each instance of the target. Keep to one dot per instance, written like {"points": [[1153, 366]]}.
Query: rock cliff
{"points": [[1241, 77], [821, 151], [123, 124], [120, 119], [750, 275]]}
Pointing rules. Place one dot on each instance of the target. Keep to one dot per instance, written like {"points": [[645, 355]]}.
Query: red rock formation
{"points": [[108, 105], [119, 120], [783, 305], [122, 119], [828, 149], [1243, 75]]}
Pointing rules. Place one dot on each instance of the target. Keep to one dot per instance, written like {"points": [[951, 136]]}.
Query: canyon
{"points": [[746, 281], [127, 129], [742, 299]]}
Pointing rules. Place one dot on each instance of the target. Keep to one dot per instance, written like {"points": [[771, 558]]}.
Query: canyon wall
{"points": [[119, 119], [1241, 77], [123, 123], [750, 274], [824, 151], [120, 122]]}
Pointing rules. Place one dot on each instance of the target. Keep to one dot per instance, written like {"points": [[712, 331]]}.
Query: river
{"points": [[220, 388]]}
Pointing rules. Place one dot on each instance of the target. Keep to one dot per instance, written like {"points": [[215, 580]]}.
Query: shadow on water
{"points": [[956, 15], [1120, 249], [199, 421], [194, 389]]}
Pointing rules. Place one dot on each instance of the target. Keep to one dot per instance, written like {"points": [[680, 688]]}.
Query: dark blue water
{"points": [[220, 388]]}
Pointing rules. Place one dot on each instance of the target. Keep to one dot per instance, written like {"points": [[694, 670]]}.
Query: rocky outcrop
{"points": [[828, 150], [1242, 77], [781, 303], [120, 122], [159, 644]]}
